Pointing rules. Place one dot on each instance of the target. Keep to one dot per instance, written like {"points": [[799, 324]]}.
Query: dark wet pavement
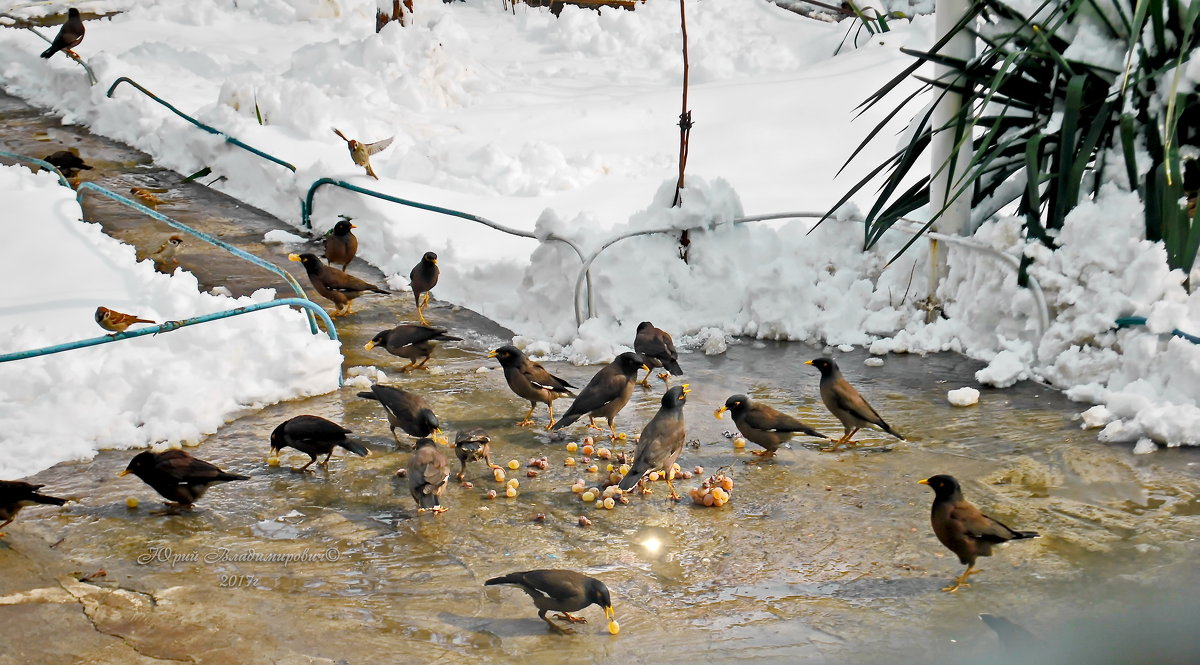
{"points": [[818, 556]]}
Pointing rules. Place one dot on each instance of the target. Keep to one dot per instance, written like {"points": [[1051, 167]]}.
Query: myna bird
{"points": [[660, 443], [339, 287], [16, 494], [963, 529], [763, 425], [341, 245], [424, 277], [607, 393], [69, 35], [428, 475], [164, 257], [177, 476], [405, 410], [116, 322], [314, 436], [531, 381], [68, 162], [361, 152], [412, 342], [562, 591], [470, 445], [844, 402], [658, 349]]}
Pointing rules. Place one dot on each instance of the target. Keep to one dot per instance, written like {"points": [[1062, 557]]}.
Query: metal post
{"points": [[949, 160]]}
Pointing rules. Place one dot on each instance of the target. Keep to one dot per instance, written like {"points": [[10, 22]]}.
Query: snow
{"points": [[172, 388], [965, 396], [566, 127]]}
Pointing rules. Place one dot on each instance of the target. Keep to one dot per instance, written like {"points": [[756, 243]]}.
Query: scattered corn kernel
{"points": [[531, 473], [603, 453], [272, 461], [698, 470], [570, 461], [572, 447], [621, 436], [611, 468], [614, 627], [587, 440], [514, 464], [513, 482], [491, 494], [584, 521], [588, 449], [609, 503], [510, 492], [653, 476], [498, 474], [588, 496], [131, 503], [624, 469], [593, 469], [739, 443]]}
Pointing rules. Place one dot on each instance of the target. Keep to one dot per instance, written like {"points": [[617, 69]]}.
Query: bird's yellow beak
{"points": [[435, 262], [610, 612], [720, 412], [369, 345], [123, 473], [353, 226], [807, 362], [922, 482], [293, 257], [492, 354], [686, 389], [645, 368]]}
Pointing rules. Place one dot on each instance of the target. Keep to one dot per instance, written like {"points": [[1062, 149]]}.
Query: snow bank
{"points": [[170, 388]]}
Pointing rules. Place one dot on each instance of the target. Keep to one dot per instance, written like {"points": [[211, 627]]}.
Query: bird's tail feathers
{"points": [[511, 578], [630, 479], [672, 366], [355, 447], [44, 498], [225, 476], [1020, 535], [447, 338], [565, 420], [368, 395]]}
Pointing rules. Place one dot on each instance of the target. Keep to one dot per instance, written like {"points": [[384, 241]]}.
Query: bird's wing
{"points": [[341, 281], [183, 468], [761, 416], [979, 526], [375, 147], [339, 133], [540, 378], [552, 583], [669, 344], [312, 427], [604, 387], [850, 400], [648, 343]]}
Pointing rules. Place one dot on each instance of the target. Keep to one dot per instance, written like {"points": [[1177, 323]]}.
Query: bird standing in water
{"points": [[844, 402]]}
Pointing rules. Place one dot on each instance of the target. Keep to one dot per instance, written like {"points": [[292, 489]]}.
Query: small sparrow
{"points": [[164, 257], [115, 321], [68, 37], [361, 152], [146, 196]]}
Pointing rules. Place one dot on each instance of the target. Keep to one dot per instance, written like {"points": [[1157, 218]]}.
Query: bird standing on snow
{"points": [[16, 494], [844, 402], [562, 591], [763, 425], [531, 381], [658, 349], [660, 443], [963, 529], [428, 475], [116, 322], [341, 245], [361, 152], [410, 341], [69, 35], [607, 393], [177, 476], [339, 287], [423, 278], [314, 436]]}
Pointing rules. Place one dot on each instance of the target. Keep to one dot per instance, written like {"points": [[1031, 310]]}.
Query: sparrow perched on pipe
{"points": [[69, 35], [16, 494], [116, 322], [361, 152]]}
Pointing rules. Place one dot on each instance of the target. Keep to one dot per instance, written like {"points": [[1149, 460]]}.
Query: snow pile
{"points": [[965, 396], [170, 388]]}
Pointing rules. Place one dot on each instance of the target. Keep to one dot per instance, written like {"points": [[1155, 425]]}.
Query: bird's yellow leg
{"points": [[551, 407], [645, 380], [674, 496], [425, 300], [553, 626], [566, 616], [439, 510], [592, 423], [961, 581], [611, 430], [763, 453], [409, 367], [528, 419], [421, 315]]}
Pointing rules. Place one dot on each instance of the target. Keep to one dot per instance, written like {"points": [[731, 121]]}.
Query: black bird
{"points": [[473, 444], [423, 278], [68, 162], [405, 410], [607, 393], [660, 443], [341, 245], [844, 402], [314, 436], [177, 476], [337, 286], [764, 425], [963, 529], [412, 342], [16, 494], [69, 35], [658, 349], [531, 381], [428, 475], [562, 591]]}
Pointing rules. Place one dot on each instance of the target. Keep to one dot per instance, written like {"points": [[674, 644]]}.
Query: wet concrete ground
{"points": [[818, 557]]}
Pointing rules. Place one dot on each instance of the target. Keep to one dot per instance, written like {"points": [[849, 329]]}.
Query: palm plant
{"points": [[1046, 129]]}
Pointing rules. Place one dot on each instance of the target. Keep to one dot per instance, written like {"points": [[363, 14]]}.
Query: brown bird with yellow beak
{"points": [[69, 35], [341, 245], [116, 322], [423, 278], [361, 152], [963, 529], [562, 591], [660, 443], [531, 381], [16, 494], [339, 287], [844, 402], [763, 425]]}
